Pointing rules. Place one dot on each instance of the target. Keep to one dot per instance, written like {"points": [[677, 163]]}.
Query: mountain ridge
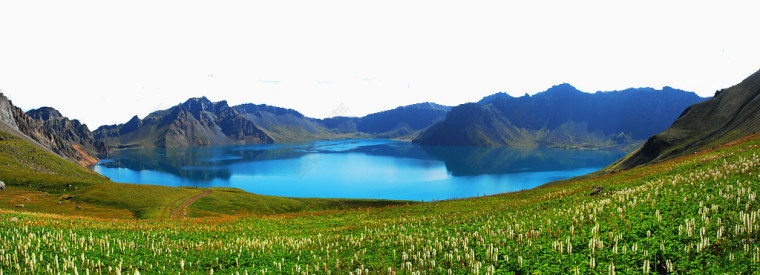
{"points": [[200, 122], [562, 116], [47, 128], [732, 113]]}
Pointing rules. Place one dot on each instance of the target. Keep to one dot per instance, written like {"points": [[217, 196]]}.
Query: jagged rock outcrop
{"points": [[196, 122], [76, 133], [47, 128]]}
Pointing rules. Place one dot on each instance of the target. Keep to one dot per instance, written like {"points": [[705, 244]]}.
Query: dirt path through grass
{"points": [[181, 211]]}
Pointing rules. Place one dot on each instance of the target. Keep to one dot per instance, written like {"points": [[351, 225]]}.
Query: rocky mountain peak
{"points": [[50, 130], [563, 88], [496, 96], [45, 114], [198, 104], [133, 125]]}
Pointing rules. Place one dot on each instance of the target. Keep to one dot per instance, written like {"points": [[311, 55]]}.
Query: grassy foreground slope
{"points": [[43, 182], [695, 214]]}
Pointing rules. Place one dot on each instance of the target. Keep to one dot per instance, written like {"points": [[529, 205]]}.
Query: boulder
{"points": [[596, 191], [20, 206], [26, 199], [79, 207], [67, 197], [2, 185]]}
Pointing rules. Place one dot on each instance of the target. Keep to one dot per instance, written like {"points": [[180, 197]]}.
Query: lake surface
{"points": [[378, 169]]}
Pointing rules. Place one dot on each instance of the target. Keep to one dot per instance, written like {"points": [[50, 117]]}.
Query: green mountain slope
{"points": [[472, 124], [733, 113], [697, 214]]}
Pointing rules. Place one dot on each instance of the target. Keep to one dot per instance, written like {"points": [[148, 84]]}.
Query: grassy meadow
{"points": [[695, 214]]}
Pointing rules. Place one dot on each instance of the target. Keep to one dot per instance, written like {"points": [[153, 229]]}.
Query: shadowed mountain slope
{"points": [[731, 114], [562, 116]]}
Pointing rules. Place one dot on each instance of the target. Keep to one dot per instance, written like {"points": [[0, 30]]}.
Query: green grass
{"points": [[145, 201], [31, 172], [697, 214], [233, 201], [25, 165]]}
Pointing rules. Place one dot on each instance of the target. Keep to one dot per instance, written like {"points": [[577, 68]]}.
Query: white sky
{"points": [[105, 61]]}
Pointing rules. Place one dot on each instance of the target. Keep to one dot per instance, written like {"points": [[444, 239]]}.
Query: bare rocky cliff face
{"points": [[52, 131], [197, 122], [6, 112], [72, 131]]}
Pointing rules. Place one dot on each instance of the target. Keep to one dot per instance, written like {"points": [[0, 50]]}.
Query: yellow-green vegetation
{"points": [[40, 202], [23, 164], [233, 201], [40, 180], [696, 214], [145, 201]]}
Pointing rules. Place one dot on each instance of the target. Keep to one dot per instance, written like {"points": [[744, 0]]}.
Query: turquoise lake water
{"points": [[377, 169]]}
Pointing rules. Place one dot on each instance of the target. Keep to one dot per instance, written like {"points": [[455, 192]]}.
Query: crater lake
{"points": [[356, 168]]}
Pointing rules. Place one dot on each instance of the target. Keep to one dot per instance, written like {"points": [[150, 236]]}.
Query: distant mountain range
{"points": [[561, 116], [731, 114], [48, 129], [199, 122]]}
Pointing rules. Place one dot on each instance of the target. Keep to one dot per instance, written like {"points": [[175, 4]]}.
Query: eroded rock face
{"points": [[72, 131], [67, 138], [45, 114], [197, 122], [6, 113]]}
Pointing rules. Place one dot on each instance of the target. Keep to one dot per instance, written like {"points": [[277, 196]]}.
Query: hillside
{"points": [[732, 113], [696, 214], [561, 116], [200, 122], [46, 179], [692, 214], [48, 129]]}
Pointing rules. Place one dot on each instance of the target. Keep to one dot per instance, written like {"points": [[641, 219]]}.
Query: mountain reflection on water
{"points": [[386, 165]]}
